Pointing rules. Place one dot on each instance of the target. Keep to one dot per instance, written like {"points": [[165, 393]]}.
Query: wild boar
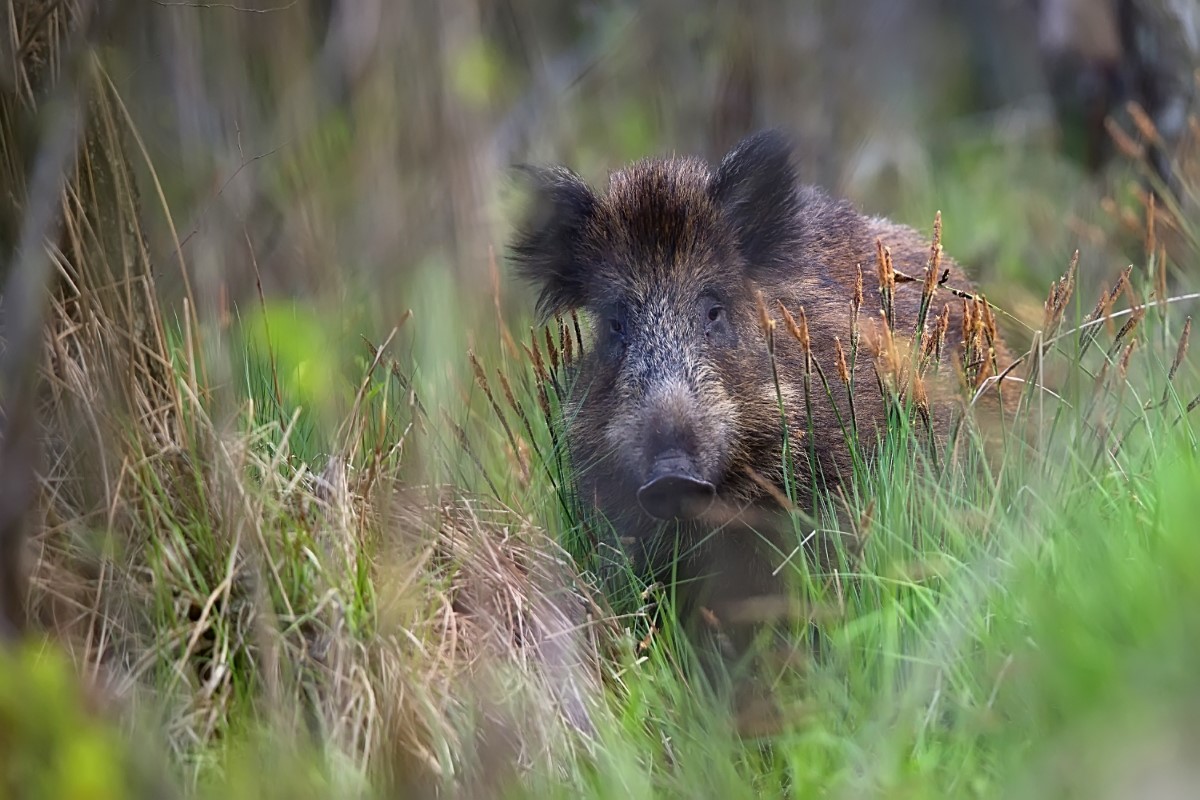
{"points": [[674, 421]]}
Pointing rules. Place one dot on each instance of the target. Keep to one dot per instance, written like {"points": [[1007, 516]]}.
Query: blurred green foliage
{"points": [[51, 746]]}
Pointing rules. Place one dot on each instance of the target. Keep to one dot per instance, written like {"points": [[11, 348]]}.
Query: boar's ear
{"points": [[547, 250], [756, 186]]}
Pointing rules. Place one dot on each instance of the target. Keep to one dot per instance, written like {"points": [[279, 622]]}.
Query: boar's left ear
{"points": [[547, 250], [756, 187]]}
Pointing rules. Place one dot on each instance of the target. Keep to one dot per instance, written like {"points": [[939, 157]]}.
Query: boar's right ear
{"points": [[547, 250], [756, 187]]}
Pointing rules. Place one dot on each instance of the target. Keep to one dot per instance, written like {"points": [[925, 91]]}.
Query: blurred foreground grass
{"points": [[1005, 637]]}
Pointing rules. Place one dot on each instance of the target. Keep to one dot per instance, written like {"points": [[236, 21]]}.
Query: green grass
{"points": [[1001, 634], [1038, 636]]}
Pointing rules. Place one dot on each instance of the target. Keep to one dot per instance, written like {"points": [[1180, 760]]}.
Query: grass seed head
{"points": [[551, 349], [1124, 142], [1180, 349], [1143, 123], [935, 259], [1060, 294], [842, 369], [798, 330], [765, 322]]}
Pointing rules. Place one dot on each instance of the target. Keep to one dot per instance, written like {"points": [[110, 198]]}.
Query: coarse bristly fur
{"points": [[668, 264]]}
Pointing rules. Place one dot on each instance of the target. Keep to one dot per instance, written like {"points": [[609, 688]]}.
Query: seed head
{"points": [[843, 370]]}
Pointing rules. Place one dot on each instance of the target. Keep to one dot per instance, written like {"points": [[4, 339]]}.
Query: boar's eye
{"points": [[715, 320], [712, 314], [615, 327]]}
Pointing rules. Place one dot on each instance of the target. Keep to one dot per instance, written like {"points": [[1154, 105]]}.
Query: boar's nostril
{"points": [[674, 489]]}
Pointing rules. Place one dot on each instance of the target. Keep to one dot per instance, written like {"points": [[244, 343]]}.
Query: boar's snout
{"points": [[674, 488]]}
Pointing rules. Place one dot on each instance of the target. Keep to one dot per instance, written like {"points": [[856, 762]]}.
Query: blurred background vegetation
{"points": [[225, 200], [350, 146]]}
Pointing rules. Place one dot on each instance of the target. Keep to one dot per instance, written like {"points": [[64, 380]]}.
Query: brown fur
{"points": [[649, 260]]}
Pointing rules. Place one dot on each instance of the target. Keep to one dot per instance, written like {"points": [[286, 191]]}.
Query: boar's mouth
{"points": [[674, 489]]}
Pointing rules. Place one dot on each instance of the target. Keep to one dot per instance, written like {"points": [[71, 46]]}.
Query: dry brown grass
{"points": [[199, 574], [195, 565]]}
